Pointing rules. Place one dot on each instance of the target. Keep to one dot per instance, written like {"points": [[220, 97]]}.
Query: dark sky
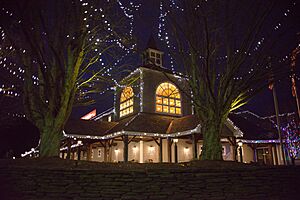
{"points": [[146, 22]]}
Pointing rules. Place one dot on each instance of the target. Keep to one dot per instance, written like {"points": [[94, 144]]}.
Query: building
{"points": [[152, 121]]}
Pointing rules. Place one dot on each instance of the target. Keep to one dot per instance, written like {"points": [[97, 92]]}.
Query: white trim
{"points": [[260, 141]]}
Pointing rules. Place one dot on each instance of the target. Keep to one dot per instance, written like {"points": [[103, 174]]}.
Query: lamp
{"points": [[151, 149], [186, 150], [240, 144], [175, 140]]}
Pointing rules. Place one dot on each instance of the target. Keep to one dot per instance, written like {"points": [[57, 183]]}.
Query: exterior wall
{"points": [[184, 149], [151, 152], [117, 152], [97, 154], [226, 148], [148, 151], [248, 154], [152, 79]]}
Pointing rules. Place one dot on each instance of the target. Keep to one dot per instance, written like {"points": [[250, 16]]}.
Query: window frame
{"points": [[177, 98], [127, 104]]}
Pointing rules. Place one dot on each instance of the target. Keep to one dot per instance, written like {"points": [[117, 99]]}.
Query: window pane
{"points": [[172, 102], [157, 55], [172, 110], [159, 108], [158, 100], [178, 103], [152, 54], [178, 110], [165, 109], [165, 101]]}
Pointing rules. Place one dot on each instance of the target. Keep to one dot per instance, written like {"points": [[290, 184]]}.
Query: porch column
{"points": [[170, 150], [69, 149], [195, 150], [78, 153], [141, 151], [125, 152], [275, 154], [254, 152], [160, 150], [105, 152], [73, 155], [89, 151], [176, 151]]}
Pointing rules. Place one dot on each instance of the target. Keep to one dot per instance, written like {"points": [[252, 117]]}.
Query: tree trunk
{"points": [[50, 142], [212, 148]]}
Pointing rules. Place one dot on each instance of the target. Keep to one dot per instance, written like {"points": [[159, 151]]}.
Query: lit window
{"points": [[126, 102], [168, 99]]}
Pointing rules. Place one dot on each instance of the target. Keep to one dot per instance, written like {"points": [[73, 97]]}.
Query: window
{"points": [[168, 99], [126, 102], [156, 58]]}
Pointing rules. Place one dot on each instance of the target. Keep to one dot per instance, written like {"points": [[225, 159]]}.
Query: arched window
{"points": [[168, 99], [126, 101]]}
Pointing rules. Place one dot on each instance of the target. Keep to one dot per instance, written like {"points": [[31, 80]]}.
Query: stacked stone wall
{"points": [[144, 182]]}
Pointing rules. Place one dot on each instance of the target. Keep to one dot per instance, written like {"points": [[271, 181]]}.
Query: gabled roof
{"points": [[88, 127], [157, 68], [151, 43], [144, 122], [254, 128]]}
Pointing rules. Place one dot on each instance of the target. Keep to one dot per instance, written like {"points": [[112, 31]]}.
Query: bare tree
{"points": [[217, 43], [61, 45]]}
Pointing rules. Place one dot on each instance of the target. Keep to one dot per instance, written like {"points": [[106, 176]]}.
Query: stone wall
{"points": [[153, 181]]}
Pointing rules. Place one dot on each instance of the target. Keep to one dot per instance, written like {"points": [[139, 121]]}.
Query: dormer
{"points": [[152, 55]]}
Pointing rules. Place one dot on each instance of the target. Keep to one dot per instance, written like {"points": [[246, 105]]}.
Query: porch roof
{"points": [[141, 123], [88, 127], [254, 128]]}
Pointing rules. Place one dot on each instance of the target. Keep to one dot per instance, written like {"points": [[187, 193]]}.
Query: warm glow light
{"points": [[186, 150], [126, 102], [175, 140], [151, 149], [240, 143], [168, 99]]}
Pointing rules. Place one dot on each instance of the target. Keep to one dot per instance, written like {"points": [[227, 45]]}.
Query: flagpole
{"points": [[293, 66], [278, 123], [272, 87]]}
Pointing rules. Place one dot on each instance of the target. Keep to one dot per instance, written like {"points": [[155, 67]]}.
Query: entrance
{"points": [[264, 156]]}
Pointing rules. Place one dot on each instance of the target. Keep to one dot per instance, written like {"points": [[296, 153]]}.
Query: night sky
{"points": [[286, 39], [146, 22]]}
